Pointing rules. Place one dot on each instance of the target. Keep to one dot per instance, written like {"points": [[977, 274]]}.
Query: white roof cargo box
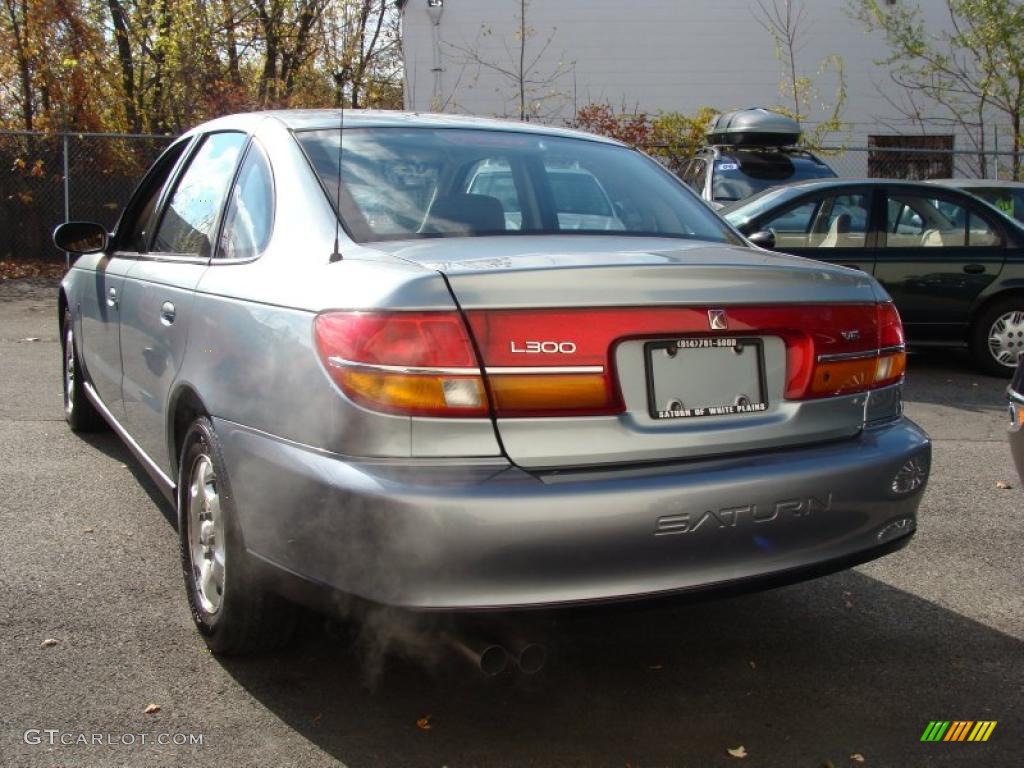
{"points": [[756, 127]]}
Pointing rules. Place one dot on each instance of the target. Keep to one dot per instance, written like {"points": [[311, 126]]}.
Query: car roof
{"points": [[827, 183], [320, 119], [978, 183]]}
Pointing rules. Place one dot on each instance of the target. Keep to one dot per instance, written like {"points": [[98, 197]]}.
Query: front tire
{"points": [[232, 610], [80, 414], [998, 337]]}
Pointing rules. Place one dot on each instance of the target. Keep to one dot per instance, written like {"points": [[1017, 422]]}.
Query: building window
{"points": [[910, 157]]}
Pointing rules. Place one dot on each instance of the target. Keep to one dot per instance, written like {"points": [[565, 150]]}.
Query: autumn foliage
{"points": [[161, 66], [671, 137]]}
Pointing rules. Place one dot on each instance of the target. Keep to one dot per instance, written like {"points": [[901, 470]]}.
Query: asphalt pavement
{"points": [[846, 670]]}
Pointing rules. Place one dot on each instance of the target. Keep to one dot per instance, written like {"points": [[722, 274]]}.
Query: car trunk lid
{"points": [[702, 350]]}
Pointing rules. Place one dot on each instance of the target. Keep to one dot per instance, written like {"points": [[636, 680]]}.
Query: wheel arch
{"points": [[1009, 290], [185, 407]]}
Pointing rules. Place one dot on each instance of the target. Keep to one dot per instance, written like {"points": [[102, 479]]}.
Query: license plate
{"points": [[697, 377]]}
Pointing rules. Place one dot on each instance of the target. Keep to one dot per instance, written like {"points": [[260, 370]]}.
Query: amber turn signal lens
{"points": [[415, 394], [549, 394]]}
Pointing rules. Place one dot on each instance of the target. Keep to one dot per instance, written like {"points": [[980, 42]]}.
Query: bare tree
{"points": [[531, 83], [786, 21]]}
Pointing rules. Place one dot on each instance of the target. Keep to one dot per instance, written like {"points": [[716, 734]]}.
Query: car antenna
{"points": [[336, 253]]}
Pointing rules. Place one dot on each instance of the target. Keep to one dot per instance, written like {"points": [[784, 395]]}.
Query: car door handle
{"points": [[167, 313], [112, 298], [974, 269]]}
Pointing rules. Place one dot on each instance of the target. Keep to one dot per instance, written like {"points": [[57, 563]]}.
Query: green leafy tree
{"points": [[972, 69]]}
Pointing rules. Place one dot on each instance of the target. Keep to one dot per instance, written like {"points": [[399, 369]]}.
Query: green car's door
{"points": [[936, 252]]}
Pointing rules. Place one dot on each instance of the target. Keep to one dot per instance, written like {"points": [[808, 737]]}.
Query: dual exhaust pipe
{"points": [[494, 659]]}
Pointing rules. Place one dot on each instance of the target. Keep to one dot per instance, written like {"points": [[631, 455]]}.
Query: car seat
{"points": [[465, 215]]}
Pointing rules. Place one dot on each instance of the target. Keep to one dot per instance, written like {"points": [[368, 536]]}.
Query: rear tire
{"points": [[232, 610], [80, 414], [998, 336]]}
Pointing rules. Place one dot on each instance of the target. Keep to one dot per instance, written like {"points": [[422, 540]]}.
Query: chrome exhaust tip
{"points": [[489, 658], [532, 658]]}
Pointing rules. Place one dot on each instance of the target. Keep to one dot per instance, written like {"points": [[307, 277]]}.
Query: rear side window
{"points": [[1009, 201], [190, 216], [249, 217], [914, 221]]}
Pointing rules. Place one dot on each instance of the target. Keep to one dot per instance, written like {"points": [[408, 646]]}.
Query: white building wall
{"points": [[646, 55]]}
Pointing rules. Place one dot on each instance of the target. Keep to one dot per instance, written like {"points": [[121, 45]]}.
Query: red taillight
{"points": [[845, 372], [550, 362], [412, 363], [561, 362]]}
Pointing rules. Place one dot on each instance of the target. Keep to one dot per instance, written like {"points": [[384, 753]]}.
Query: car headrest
{"points": [[466, 215]]}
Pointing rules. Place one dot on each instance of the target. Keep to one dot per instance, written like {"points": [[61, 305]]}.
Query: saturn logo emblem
{"points": [[718, 320]]}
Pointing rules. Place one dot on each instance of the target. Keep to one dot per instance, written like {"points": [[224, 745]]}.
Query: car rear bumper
{"points": [[482, 534]]}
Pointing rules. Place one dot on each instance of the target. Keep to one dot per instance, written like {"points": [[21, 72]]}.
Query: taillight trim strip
{"points": [[539, 370], [863, 355], [340, 362]]}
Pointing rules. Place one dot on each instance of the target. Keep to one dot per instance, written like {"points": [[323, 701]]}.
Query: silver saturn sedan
{"points": [[357, 370]]}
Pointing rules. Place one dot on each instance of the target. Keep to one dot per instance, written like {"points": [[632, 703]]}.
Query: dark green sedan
{"points": [[953, 263]]}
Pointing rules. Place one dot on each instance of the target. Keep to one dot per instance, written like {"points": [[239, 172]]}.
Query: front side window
{"points": [[134, 229], [249, 217], [400, 183], [918, 221], [191, 214], [825, 221]]}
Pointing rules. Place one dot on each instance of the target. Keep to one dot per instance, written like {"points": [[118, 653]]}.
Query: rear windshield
{"points": [[402, 183], [743, 174]]}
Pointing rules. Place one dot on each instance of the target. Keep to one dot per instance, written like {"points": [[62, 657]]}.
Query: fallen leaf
{"points": [[753, 665], [655, 666], [849, 604], [88, 530], [424, 723], [317, 717], [49, 642], [740, 751], [1002, 486], [30, 338], [857, 757], [152, 709]]}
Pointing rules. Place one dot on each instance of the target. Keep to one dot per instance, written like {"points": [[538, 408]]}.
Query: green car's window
{"points": [[826, 221], [915, 221]]}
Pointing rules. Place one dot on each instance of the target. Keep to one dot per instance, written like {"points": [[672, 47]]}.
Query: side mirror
{"points": [[80, 237], [765, 239]]}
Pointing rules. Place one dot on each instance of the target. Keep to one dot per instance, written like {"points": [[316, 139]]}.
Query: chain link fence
{"points": [[921, 164], [47, 178]]}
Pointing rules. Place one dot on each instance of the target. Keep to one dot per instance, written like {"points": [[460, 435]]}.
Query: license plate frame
{"points": [[705, 346]]}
